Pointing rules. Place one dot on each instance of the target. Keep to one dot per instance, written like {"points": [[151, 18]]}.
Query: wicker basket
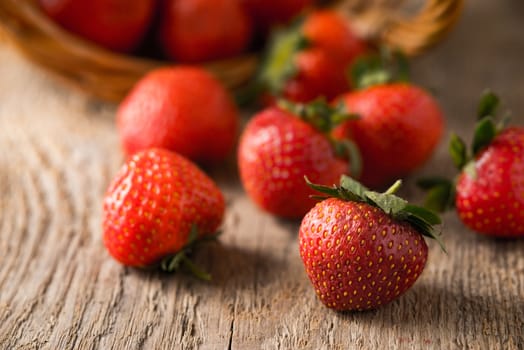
{"points": [[110, 76]]}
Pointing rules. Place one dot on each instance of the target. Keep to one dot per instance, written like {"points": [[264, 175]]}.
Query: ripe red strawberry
{"points": [[204, 30], [310, 59], [277, 149], [491, 201], [318, 74], [363, 249], [489, 192], [267, 13], [399, 127], [153, 204], [118, 25], [327, 30], [183, 109]]}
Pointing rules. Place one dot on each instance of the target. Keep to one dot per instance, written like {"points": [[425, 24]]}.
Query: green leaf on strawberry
{"points": [[325, 117], [349, 150], [390, 203], [351, 190], [424, 214], [318, 113], [458, 151], [398, 208], [440, 193], [349, 184], [485, 132], [376, 69], [278, 65], [488, 104]]}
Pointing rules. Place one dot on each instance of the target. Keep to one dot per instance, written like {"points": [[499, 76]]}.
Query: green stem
{"points": [[172, 262], [355, 158], [394, 188], [195, 270]]}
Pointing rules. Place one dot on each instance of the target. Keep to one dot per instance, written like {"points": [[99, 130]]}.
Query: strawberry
{"points": [[118, 25], [204, 30], [310, 58], [329, 31], [154, 206], [268, 13], [362, 249], [279, 147], [183, 109], [489, 191], [400, 126]]}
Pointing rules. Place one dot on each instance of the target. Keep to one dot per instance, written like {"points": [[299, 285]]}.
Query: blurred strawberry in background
{"points": [[311, 58], [183, 109], [203, 30], [400, 124], [329, 31], [118, 25]]}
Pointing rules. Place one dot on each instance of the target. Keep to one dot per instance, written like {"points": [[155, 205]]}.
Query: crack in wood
{"points": [[231, 332]]}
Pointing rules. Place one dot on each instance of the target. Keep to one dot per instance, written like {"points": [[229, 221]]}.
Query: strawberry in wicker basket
{"points": [[110, 75]]}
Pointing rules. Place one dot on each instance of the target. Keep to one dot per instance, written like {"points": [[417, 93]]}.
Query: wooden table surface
{"points": [[59, 289]]}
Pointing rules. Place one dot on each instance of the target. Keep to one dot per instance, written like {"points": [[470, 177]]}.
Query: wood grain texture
{"points": [[59, 289]]}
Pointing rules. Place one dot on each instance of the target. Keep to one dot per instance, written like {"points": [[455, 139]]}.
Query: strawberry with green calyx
{"points": [[281, 145], [157, 208], [325, 118], [400, 124], [362, 249], [489, 191], [309, 59]]}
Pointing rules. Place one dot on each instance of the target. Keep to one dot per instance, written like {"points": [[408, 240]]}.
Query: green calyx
{"points": [[278, 65], [318, 113], [348, 149], [440, 191], [422, 219], [486, 129], [181, 260], [325, 117], [383, 68]]}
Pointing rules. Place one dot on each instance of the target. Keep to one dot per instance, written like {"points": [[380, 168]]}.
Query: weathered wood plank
{"points": [[59, 289]]}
